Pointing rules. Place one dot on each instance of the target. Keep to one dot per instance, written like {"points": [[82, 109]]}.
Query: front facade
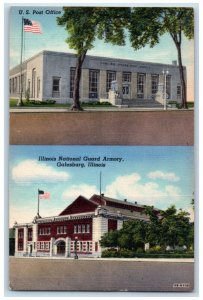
{"points": [[50, 76], [78, 228]]}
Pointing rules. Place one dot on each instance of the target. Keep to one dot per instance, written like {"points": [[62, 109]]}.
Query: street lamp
{"points": [[165, 73], [76, 255]]}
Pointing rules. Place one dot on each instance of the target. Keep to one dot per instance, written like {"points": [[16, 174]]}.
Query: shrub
{"points": [[126, 253]]}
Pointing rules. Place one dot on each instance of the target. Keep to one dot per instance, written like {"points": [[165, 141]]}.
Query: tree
{"points": [[148, 24], [131, 236], [84, 25], [153, 228], [175, 228], [110, 239]]}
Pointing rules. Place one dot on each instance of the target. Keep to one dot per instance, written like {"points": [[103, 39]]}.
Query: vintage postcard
{"points": [[101, 168]]}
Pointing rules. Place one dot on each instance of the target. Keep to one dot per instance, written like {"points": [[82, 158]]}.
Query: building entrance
{"points": [[126, 91], [61, 248]]}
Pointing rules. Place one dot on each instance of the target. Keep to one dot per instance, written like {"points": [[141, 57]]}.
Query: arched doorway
{"points": [[61, 248]]}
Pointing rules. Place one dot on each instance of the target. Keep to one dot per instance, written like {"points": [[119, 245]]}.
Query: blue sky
{"points": [[53, 38], [159, 176]]}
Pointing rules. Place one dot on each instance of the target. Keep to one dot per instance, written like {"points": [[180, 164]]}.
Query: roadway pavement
{"points": [[140, 275]]}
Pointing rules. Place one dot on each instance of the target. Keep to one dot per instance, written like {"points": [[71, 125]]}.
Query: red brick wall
{"points": [[112, 224], [69, 230]]}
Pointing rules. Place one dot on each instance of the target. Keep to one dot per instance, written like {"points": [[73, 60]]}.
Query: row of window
{"points": [[15, 84], [111, 76], [84, 228], [43, 245], [33, 89], [82, 246], [44, 231], [34, 85]]}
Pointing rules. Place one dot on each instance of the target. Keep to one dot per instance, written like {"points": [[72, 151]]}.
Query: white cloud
{"points": [[82, 189], [130, 187], [163, 175], [31, 171], [146, 193]]}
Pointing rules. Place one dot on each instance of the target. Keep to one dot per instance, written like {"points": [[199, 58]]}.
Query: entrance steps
{"points": [[141, 103]]}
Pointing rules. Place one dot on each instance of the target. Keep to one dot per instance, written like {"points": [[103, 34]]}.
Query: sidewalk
{"points": [[171, 260]]}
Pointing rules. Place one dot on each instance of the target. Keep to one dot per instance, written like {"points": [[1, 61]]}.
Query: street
{"points": [[101, 275]]}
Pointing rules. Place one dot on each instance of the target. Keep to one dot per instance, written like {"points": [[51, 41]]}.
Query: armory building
{"points": [[78, 227], [50, 76]]}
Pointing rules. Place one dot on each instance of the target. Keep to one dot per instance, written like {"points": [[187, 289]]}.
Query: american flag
{"points": [[31, 26], [44, 195]]}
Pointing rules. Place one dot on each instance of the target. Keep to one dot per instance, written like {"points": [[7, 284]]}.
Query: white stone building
{"points": [[49, 76]]}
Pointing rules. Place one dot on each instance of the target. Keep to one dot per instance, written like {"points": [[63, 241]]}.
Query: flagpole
{"points": [[100, 183], [38, 204], [21, 65]]}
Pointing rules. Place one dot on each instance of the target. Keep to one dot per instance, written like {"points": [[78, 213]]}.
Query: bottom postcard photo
{"points": [[101, 218]]}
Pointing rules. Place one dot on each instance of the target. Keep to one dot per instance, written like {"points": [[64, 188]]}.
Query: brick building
{"points": [[49, 76], [80, 225]]}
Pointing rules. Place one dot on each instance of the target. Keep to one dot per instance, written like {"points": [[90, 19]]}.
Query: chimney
{"points": [[125, 200], [174, 62]]}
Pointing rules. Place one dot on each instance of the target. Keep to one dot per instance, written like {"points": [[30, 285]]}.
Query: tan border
{"points": [[103, 128]]}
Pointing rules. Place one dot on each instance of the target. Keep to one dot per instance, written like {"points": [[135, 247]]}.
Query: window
{"points": [[15, 84], [28, 89], [10, 84], [61, 229], [56, 87], [88, 228], [29, 233], [126, 77], [72, 76], [83, 228], [79, 228], [20, 234], [155, 83], [75, 229], [93, 83], [20, 245], [168, 86], [44, 231], [43, 245], [111, 76], [38, 87], [88, 246], [178, 91], [126, 89], [33, 82], [140, 85]]}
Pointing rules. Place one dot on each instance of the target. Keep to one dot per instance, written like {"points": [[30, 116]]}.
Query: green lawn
{"points": [[13, 103]]}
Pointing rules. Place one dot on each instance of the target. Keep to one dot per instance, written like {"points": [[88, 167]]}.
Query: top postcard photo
{"points": [[101, 58]]}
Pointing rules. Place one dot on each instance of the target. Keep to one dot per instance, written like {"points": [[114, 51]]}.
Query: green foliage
{"points": [[109, 239], [85, 24], [170, 227], [148, 24]]}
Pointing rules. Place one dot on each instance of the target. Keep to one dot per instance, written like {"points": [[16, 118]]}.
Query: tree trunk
{"points": [[76, 89], [182, 78]]}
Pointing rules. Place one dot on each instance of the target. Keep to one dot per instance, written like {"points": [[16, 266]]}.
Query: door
{"points": [[126, 91], [61, 248]]}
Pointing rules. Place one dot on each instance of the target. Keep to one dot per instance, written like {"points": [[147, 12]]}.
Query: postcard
{"points": [[101, 166]]}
